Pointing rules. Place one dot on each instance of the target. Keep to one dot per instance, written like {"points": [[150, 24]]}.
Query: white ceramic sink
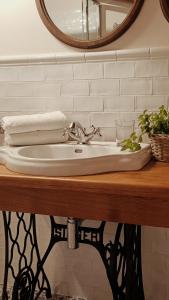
{"points": [[72, 159]]}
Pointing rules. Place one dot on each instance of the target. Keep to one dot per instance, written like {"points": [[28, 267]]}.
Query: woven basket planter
{"points": [[160, 146]]}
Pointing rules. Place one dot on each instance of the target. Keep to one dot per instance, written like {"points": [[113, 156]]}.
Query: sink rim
{"points": [[14, 152]]}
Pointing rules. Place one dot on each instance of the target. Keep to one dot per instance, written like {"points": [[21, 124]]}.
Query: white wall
{"points": [[22, 31]]}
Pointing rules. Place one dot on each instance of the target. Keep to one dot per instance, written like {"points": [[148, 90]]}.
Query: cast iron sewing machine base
{"points": [[121, 257]]}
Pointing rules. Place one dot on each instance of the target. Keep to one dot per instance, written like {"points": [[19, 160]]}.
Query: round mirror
{"points": [[88, 23], [165, 8]]}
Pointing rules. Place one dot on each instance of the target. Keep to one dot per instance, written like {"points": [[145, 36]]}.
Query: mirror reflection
{"points": [[88, 19], [165, 8]]}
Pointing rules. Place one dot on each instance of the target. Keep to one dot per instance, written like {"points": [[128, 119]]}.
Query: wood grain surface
{"points": [[137, 197]]}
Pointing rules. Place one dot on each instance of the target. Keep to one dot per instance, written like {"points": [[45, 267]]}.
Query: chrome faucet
{"points": [[78, 133]]}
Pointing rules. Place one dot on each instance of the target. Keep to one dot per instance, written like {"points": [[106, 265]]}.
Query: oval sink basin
{"points": [[72, 159]]}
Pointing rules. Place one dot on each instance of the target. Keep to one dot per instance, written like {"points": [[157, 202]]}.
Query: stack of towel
{"points": [[46, 128]]}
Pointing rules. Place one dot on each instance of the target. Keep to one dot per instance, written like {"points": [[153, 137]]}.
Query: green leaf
{"points": [[155, 122], [149, 123], [132, 143]]}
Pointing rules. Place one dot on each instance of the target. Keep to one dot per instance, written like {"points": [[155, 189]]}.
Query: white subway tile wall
{"points": [[136, 86], [119, 69], [30, 73], [75, 87], [151, 68], [88, 103], [99, 89], [150, 102], [88, 71], [58, 72], [118, 103], [161, 86], [9, 74], [105, 87]]}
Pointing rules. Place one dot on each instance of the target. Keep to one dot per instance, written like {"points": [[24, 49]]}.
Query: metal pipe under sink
{"points": [[72, 233]]}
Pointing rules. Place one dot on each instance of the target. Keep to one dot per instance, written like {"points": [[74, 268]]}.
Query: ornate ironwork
{"points": [[123, 263], [121, 257], [27, 282]]}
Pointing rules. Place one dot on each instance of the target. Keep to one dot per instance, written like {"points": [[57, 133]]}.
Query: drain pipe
{"points": [[72, 233]]}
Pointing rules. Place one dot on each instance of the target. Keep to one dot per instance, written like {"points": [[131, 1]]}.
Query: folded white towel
{"points": [[28, 123], [36, 137]]}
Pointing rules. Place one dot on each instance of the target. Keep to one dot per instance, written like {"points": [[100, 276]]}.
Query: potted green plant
{"points": [[156, 125]]}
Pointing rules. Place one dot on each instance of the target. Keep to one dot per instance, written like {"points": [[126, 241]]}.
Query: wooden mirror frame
{"points": [[165, 8], [93, 43]]}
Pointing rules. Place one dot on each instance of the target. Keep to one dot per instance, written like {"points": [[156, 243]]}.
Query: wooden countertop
{"points": [[137, 197]]}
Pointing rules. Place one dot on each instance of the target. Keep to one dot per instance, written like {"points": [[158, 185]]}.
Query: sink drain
{"points": [[78, 150]]}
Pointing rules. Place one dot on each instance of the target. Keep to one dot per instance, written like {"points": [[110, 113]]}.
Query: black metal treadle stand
{"points": [[121, 257]]}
